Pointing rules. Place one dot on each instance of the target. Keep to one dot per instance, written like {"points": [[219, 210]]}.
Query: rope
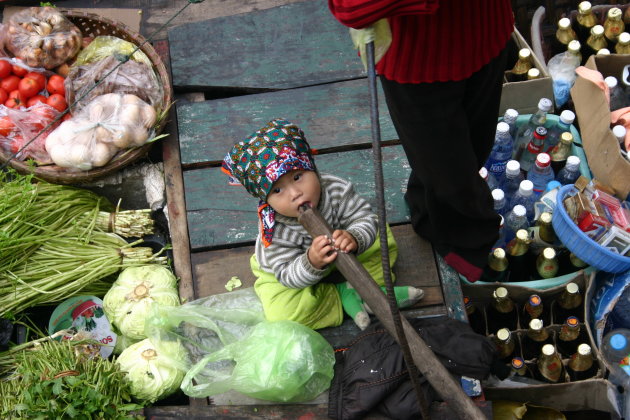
{"points": [[122, 58], [380, 201]]}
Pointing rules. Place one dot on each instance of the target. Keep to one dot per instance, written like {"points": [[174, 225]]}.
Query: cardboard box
{"points": [[524, 96], [593, 116]]}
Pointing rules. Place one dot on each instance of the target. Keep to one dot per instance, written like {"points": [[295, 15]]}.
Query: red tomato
{"points": [[19, 70], [57, 101], [19, 96], [5, 68], [35, 99], [6, 126], [10, 83], [28, 87], [16, 143], [66, 117], [56, 85], [38, 77], [3, 96], [12, 103]]}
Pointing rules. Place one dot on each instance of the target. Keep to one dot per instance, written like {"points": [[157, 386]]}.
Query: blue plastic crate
{"points": [[580, 244]]}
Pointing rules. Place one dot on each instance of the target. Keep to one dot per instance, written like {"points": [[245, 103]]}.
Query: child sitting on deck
{"points": [[275, 165]]}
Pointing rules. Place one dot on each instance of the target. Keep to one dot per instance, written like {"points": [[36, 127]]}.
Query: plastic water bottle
{"points": [[510, 117], [553, 134], [534, 147], [617, 95], [541, 173], [501, 150], [515, 220], [500, 204], [571, 171], [616, 348], [500, 243], [526, 131], [511, 179], [489, 178], [525, 197], [619, 131]]}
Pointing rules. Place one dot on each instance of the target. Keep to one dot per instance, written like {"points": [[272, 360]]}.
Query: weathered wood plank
{"points": [[331, 115], [220, 214], [415, 266], [299, 44]]}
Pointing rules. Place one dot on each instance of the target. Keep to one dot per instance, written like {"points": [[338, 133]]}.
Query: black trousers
{"points": [[447, 131]]}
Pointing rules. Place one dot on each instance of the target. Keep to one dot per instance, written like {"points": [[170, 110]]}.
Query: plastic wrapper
{"points": [[19, 126], [561, 68], [231, 347], [42, 37], [105, 46], [109, 123], [131, 77]]}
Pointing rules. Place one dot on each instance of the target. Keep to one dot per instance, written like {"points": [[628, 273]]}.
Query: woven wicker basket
{"points": [[93, 25]]}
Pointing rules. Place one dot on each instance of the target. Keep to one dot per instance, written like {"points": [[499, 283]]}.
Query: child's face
{"points": [[292, 190]]}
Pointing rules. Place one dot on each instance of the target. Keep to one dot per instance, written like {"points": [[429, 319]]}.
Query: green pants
{"points": [[316, 306]]}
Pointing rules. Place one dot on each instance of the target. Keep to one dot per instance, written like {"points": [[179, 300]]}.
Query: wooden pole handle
{"points": [[371, 293]]}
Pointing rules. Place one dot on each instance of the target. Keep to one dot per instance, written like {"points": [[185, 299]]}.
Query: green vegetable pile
{"points": [[53, 379], [57, 241]]}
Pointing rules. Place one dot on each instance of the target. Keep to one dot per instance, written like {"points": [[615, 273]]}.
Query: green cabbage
{"points": [[154, 372], [127, 302]]}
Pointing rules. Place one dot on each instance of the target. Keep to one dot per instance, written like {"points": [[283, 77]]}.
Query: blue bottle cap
{"points": [[553, 184], [618, 341]]}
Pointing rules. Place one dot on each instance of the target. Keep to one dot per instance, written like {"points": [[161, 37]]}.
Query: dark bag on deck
{"points": [[371, 374]]}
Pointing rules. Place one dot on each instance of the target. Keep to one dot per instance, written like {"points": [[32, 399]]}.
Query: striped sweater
{"points": [[433, 40], [342, 208]]}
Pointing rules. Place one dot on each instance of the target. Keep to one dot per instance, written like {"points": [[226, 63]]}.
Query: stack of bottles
{"points": [[543, 339], [526, 167]]}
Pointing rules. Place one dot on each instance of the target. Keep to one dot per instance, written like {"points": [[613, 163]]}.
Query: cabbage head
{"points": [[127, 302], [154, 372]]}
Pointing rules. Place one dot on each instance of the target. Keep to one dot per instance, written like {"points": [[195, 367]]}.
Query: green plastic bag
{"points": [[230, 346], [279, 361], [379, 32]]}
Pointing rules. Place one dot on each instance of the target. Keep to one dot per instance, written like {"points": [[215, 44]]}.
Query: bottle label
{"points": [[496, 167], [534, 148]]}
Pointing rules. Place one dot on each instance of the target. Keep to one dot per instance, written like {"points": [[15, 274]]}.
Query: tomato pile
{"points": [[22, 88]]}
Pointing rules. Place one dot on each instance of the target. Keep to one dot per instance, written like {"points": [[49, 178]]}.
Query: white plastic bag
{"points": [[561, 68]]}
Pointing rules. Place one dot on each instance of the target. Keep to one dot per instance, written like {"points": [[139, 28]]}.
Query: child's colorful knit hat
{"points": [[262, 158]]}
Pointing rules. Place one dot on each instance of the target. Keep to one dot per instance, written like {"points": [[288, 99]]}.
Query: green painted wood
{"points": [[220, 214], [299, 44], [330, 115]]}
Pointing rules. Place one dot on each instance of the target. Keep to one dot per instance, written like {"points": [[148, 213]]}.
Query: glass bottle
{"points": [[613, 26], [475, 316], [523, 64], [596, 41], [571, 171], [619, 131], [515, 220], [569, 303], [561, 151], [526, 131], [500, 204], [501, 150], [623, 43], [617, 94], [519, 368], [505, 344], [555, 131], [564, 35], [501, 313], [574, 49], [533, 74], [497, 267], [541, 173], [626, 16], [534, 147], [549, 365], [547, 263], [534, 308], [603, 51], [518, 257], [570, 263], [510, 117], [585, 20], [536, 337], [525, 197], [581, 365], [545, 229], [511, 180], [568, 337]]}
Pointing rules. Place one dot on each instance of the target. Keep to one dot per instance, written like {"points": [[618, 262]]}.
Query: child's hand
{"points": [[321, 252], [344, 241]]}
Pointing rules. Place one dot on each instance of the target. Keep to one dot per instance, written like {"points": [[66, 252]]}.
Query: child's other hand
{"points": [[321, 252], [344, 241]]}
